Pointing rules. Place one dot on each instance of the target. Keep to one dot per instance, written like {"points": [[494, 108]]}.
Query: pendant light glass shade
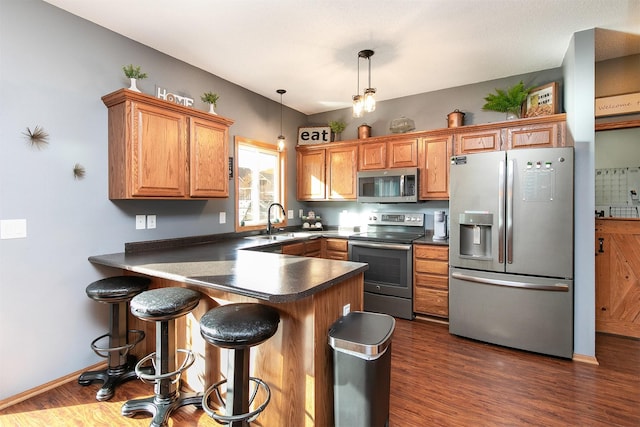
{"points": [[370, 100], [358, 106], [281, 138], [366, 103]]}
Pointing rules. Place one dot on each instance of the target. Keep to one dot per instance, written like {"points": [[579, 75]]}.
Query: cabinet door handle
{"points": [[601, 244]]}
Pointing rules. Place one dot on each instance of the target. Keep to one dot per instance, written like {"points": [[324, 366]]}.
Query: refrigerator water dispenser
{"points": [[475, 235]]}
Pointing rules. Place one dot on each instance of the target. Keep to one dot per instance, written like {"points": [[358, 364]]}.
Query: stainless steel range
{"points": [[387, 247]]}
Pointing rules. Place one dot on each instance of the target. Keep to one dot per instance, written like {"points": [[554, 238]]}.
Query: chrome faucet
{"points": [[269, 215]]}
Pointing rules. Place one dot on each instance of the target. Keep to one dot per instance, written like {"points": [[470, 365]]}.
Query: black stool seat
{"points": [[239, 325], [164, 303], [119, 288], [117, 292], [163, 306]]}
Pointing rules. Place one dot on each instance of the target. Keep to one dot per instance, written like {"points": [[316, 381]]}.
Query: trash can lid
{"points": [[362, 334]]}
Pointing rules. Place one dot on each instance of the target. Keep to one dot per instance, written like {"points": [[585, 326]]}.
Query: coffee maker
{"points": [[439, 225]]}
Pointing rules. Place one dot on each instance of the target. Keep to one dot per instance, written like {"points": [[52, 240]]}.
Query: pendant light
{"points": [[281, 136], [366, 103]]}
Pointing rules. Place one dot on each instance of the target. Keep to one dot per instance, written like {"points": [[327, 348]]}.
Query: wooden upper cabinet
{"points": [[372, 155], [162, 150], [341, 172], [478, 141], [209, 169], [543, 135], [311, 167], [434, 157], [402, 153], [327, 173]]}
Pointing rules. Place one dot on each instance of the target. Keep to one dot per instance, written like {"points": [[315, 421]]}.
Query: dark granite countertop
{"points": [[221, 263]]}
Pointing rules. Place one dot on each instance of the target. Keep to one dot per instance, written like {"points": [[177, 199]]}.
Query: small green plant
{"points": [[210, 98], [134, 72], [507, 101], [337, 126]]}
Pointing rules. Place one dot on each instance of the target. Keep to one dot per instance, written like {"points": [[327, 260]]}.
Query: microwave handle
{"points": [[402, 178]]}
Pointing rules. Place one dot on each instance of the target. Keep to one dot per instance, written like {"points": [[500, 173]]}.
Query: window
{"points": [[259, 182]]}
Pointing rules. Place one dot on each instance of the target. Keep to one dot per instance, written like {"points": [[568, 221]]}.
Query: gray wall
{"points": [[54, 69]]}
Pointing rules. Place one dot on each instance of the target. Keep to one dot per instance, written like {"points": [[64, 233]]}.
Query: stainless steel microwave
{"points": [[388, 185]]}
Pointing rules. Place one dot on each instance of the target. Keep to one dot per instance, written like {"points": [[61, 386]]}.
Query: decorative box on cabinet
{"points": [[162, 150], [431, 280], [434, 155]]}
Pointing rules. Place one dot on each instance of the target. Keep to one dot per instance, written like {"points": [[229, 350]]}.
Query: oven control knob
{"points": [[378, 287]]}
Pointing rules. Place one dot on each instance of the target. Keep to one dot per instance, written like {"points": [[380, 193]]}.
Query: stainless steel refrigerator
{"points": [[511, 249]]}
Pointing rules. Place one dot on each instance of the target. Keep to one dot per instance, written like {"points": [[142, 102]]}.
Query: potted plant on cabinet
{"points": [[507, 101], [337, 127], [134, 74], [210, 98]]}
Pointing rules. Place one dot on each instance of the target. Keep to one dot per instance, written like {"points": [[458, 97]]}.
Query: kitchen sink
{"points": [[279, 237]]}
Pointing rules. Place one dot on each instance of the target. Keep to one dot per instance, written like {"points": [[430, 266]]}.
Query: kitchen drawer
{"points": [[431, 252], [431, 302], [339, 245], [431, 266], [341, 256], [431, 281], [293, 249], [313, 248]]}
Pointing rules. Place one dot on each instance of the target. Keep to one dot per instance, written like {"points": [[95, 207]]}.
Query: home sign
{"points": [[314, 135], [172, 97]]}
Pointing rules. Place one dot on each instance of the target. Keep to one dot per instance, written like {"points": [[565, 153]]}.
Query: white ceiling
{"points": [[310, 47]]}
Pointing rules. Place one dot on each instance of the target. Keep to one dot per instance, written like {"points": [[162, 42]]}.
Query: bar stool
{"points": [[238, 327], [117, 292], [163, 306]]}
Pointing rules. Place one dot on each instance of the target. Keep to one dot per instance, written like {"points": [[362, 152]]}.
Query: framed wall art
{"points": [[542, 101]]}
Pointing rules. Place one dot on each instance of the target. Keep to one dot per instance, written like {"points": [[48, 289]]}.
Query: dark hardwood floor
{"points": [[437, 380]]}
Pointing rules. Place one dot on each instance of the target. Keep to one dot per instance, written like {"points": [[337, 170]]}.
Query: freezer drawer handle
{"points": [[560, 287]]}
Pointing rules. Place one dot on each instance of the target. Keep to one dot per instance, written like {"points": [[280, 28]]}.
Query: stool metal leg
{"points": [[166, 379], [120, 364], [238, 385]]}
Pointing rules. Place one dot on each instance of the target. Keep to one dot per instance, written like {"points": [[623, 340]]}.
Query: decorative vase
{"points": [[512, 116], [133, 86], [337, 136], [211, 110]]}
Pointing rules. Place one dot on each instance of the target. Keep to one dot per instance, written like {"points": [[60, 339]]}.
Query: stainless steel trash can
{"points": [[361, 344]]}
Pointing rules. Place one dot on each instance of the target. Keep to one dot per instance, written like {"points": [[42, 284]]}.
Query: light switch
{"points": [[223, 217], [151, 221], [13, 228], [141, 222], [290, 214]]}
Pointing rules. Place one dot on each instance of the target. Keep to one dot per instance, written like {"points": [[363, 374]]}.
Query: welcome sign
{"points": [[616, 105]]}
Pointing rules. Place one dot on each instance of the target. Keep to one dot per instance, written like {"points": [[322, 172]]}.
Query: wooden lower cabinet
{"points": [[431, 280], [310, 248], [617, 259], [335, 249]]}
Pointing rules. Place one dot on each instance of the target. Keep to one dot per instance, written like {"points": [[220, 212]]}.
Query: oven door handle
{"points": [[377, 245]]}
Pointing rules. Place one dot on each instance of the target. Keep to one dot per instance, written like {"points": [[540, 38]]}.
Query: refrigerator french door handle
{"points": [[501, 213], [509, 216], [559, 287]]}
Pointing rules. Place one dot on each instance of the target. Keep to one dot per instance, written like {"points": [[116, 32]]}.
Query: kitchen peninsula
{"points": [[309, 294]]}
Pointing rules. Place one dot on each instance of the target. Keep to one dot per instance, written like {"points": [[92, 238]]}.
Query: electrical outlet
{"points": [[346, 309], [290, 214], [13, 229], [223, 217], [141, 222], [151, 221], [300, 213]]}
